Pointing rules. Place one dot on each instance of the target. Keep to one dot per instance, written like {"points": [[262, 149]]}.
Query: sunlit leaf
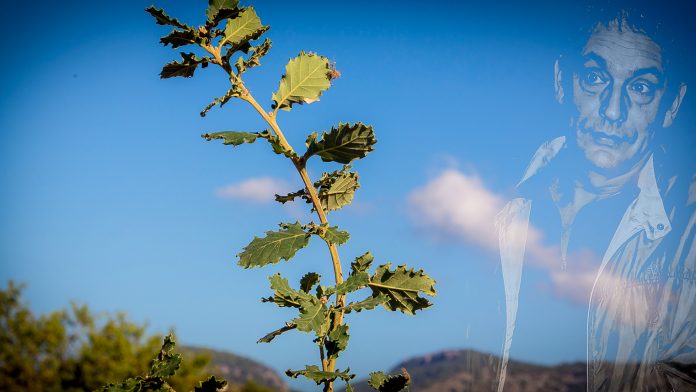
{"points": [[276, 245], [306, 77]]}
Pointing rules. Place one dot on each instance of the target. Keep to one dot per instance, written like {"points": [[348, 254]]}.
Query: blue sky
{"points": [[111, 198]]}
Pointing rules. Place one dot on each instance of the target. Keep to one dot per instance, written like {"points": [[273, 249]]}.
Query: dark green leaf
{"points": [[178, 38], [308, 281], [284, 295], [355, 282], [306, 77], [338, 341], [245, 27], [362, 263], [276, 245], [271, 335], [402, 286], [212, 384], [232, 138], [312, 317], [342, 144], [218, 10], [366, 304], [319, 376], [185, 67], [166, 363], [292, 196], [255, 59], [384, 383], [338, 191], [130, 385], [164, 19], [335, 236]]}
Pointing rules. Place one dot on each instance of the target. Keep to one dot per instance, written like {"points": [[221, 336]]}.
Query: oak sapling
{"points": [[231, 39]]}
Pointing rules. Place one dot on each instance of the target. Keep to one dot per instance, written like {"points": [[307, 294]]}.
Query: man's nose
{"points": [[613, 108]]}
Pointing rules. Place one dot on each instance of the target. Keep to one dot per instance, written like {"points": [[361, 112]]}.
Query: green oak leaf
{"points": [[185, 68], [244, 28], [276, 245], [386, 383], [284, 295], [362, 263], [219, 10], [232, 138], [319, 376], [163, 19], [402, 286], [335, 236], [355, 282], [306, 77], [337, 342], [212, 384], [166, 363], [366, 304], [342, 144], [312, 317], [308, 281], [255, 59], [292, 196], [178, 38], [271, 335], [338, 191]]}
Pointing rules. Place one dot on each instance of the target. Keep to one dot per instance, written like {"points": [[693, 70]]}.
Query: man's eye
{"points": [[642, 87], [594, 78]]}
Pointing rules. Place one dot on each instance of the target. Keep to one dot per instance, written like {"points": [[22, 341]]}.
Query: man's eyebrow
{"points": [[650, 70], [597, 59]]}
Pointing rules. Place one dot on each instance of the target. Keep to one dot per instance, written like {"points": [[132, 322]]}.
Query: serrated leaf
{"points": [[338, 341], [178, 38], [284, 295], [335, 236], [366, 304], [255, 59], [319, 376], [362, 263], [185, 68], [308, 281], [342, 144], [163, 19], [312, 317], [276, 245], [306, 77], [245, 27], [402, 286], [339, 191], [385, 383], [212, 384], [271, 335], [219, 10], [291, 196], [166, 363], [232, 138], [355, 282]]}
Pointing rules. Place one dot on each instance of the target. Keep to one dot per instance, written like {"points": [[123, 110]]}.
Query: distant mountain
{"points": [[472, 371], [238, 370]]}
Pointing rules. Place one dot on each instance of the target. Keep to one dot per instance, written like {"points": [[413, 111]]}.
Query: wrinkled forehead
{"points": [[624, 49]]}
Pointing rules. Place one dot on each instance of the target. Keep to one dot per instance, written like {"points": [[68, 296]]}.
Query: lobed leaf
{"points": [[232, 138], [366, 304], [362, 263], [338, 341], [335, 236], [244, 28], [185, 68], [342, 144], [402, 286], [166, 363], [385, 383], [308, 281], [212, 384], [163, 19], [271, 335], [219, 10], [338, 191], [355, 282], [319, 376], [255, 59], [284, 295], [292, 196], [276, 245], [312, 317], [306, 77], [178, 38]]}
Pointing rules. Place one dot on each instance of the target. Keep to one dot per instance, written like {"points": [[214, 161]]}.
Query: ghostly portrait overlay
{"points": [[614, 166]]}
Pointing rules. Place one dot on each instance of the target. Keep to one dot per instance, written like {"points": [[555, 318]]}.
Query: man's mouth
{"points": [[604, 139]]}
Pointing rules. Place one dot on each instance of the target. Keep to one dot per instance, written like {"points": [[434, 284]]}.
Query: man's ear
{"points": [[558, 81], [671, 113]]}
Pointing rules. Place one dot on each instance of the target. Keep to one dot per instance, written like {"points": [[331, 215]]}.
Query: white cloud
{"points": [[459, 205], [257, 190]]}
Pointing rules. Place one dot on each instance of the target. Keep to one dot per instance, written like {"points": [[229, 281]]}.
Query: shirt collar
{"points": [[648, 210]]}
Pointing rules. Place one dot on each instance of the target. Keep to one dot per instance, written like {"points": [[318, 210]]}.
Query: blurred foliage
{"points": [[76, 350]]}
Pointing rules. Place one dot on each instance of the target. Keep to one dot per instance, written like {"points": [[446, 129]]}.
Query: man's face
{"points": [[617, 93]]}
